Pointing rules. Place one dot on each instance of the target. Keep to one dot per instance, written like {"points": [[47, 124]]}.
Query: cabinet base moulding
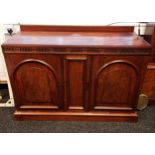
{"points": [[78, 116]]}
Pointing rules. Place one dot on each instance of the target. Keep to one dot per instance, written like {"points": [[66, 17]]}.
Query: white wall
{"points": [[3, 71], [2, 67], [75, 12]]}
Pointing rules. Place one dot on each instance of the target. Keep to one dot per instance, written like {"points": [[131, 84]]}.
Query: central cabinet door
{"points": [[114, 83], [76, 82]]}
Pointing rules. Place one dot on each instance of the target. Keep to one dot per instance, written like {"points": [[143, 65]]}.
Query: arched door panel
{"points": [[37, 84], [114, 85]]}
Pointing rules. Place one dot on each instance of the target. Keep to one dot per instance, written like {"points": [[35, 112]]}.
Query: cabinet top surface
{"points": [[78, 39]]}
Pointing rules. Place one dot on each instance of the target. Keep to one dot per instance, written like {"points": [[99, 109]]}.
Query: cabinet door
{"points": [[37, 81], [115, 83]]}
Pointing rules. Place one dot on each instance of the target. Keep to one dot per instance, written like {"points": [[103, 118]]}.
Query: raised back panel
{"points": [[37, 84], [115, 84], [63, 28]]}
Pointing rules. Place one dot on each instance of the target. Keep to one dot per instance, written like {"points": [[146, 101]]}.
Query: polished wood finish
{"points": [[63, 28], [107, 74], [76, 39], [76, 70], [119, 116], [153, 45], [65, 73], [149, 81]]}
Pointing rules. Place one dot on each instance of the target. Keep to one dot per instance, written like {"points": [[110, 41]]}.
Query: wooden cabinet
{"points": [[82, 76]]}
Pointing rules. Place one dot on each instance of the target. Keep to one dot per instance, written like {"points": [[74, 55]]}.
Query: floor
{"points": [[145, 124]]}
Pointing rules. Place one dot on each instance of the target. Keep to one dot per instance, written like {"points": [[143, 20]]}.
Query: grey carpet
{"points": [[145, 124]]}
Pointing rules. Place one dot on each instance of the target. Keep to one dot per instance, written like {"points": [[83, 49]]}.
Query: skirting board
{"points": [[7, 104]]}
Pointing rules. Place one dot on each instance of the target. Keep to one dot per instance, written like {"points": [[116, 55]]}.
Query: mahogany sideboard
{"points": [[90, 73]]}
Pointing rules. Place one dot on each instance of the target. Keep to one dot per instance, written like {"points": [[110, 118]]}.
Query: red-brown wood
{"points": [[67, 28], [153, 45], [76, 70], [149, 81], [72, 75], [116, 80], [117, 116], [36, 80], [108, 75], [77, 39]]}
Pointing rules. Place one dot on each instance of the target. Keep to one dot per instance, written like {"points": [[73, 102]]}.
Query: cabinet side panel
{"points": [[149, 83]]}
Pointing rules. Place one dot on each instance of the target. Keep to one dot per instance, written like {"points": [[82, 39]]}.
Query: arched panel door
{"points": [[115, 85], [37, 84]]}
